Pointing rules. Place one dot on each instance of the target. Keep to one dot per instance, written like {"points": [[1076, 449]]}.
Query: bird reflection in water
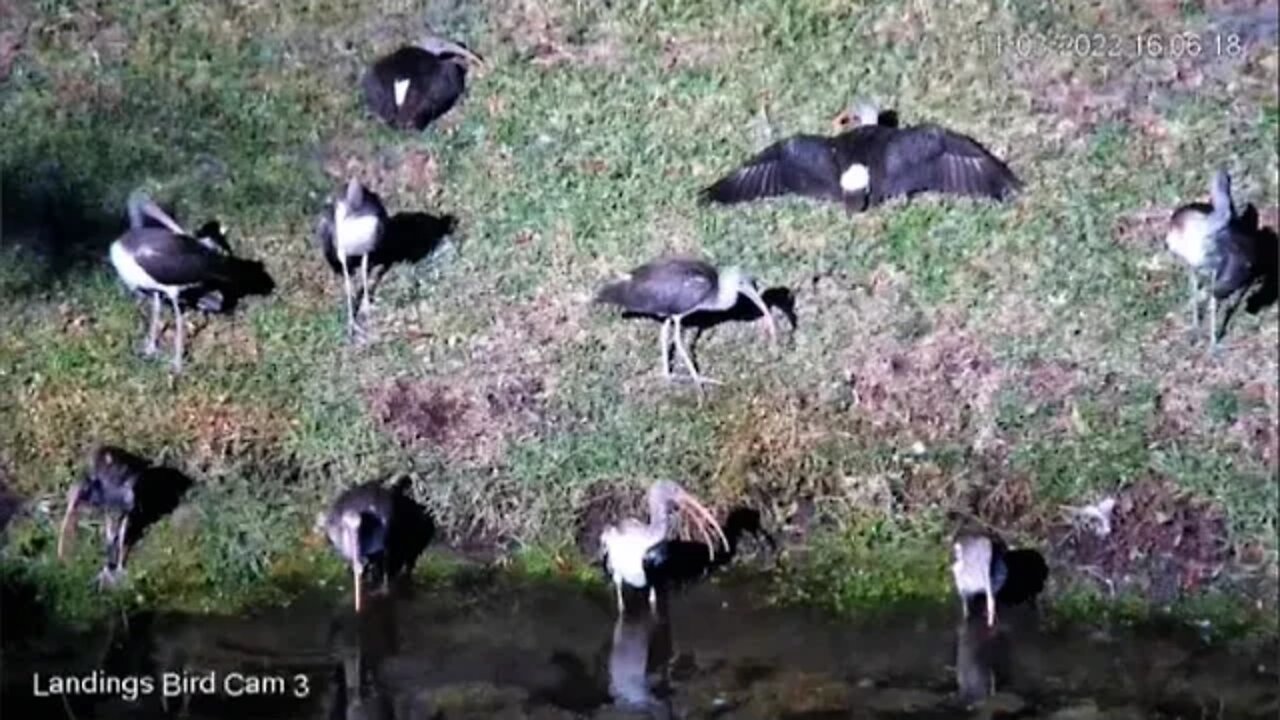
{"points": [[641, 644], [361, 641]]}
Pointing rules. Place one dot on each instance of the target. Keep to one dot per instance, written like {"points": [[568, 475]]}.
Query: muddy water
{"points": [[556, 653]]}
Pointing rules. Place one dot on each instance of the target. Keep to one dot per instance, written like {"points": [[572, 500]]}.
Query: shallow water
{"points": [[555, 653]]}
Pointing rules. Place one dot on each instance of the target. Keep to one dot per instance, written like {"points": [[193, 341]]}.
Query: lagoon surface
{"points": [[500, 650]]}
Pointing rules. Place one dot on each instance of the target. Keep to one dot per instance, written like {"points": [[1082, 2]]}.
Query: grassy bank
{"points": [[951, 359]]}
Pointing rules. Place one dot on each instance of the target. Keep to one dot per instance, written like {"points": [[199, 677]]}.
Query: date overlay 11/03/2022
{"points": [[1111, 45]]}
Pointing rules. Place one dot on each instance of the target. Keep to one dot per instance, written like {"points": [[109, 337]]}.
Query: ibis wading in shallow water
{"points": [[109, 486], [979, 569], [353, 229], [1213, 240], [418, 83], [170, 262], [872, 161], [373, 523], [673, 288], [626, 543]]}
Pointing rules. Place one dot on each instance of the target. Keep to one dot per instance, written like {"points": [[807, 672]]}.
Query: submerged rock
{"points": [[797, 693]]}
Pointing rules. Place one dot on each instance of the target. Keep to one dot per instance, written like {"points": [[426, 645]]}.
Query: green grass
{"points": [[564, 170]]}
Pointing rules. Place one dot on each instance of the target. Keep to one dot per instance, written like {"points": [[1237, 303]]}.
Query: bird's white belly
{"points": [[131, 272], [401, 89], [624, 551], [855, 179], [1190, 245], [356, 235]]}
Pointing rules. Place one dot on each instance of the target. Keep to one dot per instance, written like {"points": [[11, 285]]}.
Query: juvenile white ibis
{"points": [[672, 563], [169, 262], [109, 485], [376, 524], [354, 228], [626, 543], [1216, 242], [979, 569], [673, 288], [869, 162], [416, 84]]}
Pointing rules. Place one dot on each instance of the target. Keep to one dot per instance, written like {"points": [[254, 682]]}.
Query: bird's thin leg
{"points": [[964, 606], [1213, 322], [653, 601], [621, 606], [109, 533], [365, 301], [688, 360], [991, 608], [179, 335], [346, 285], [1193, 289], [153, 334], [666, 347], [122, 542]]}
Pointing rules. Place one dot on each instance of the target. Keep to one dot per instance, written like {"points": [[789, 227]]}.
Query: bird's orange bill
{"points": [[754, 297], [68, 521], [702, 518], [355, 574]]}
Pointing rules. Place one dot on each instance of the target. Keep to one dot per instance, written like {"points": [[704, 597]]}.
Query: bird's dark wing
{"points": [[436, 92], [1236, 269], [929, 157], [323, 239], [664, 287], [803, 165], [178, 259]]}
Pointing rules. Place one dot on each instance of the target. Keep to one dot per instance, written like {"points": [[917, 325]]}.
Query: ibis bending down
{"points": [[872, 161], [626, 543], [354, 228], [416, 84], [672, 563], [109, 485], [1213, 240], [169, 262], [673, 288], [376, 524]]}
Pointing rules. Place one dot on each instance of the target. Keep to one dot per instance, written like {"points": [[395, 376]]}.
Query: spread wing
{"points": [[801, 165], [933, 158]]}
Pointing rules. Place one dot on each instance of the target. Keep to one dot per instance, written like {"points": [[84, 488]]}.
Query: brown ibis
{"points": [[673, 288], [109, 485], [416, 84], [353, 227], [978, 569], [168, 262], [624, 545], [1214, 241], [380, 525], [673, 563], [870, 161]]}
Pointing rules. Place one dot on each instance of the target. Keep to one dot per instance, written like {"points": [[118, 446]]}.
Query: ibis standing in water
{"points": [[672, 563], [978, 569], [109, 486], [626, 543], [376, 524], [1213, 240], [354, 228], [416, 84], [871, 161], [673, 288], [168, 262]]}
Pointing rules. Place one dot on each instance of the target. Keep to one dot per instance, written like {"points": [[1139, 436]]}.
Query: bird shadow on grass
{"points": [[157, 493], [409, 238], [1265, 286]]}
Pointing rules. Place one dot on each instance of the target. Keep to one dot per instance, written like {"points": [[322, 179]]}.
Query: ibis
{"points": [[869, 162], [673, 563], [353, 228], [168, 262], [1214, 241], [978, 569], [380, 525], [110, 486], [626, 543], [416, 84], [673, 288]]}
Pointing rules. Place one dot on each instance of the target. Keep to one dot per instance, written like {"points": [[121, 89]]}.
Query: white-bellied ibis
{"points": [[376, 524], [109, 485], [673, 288], [1228, 248], [626, 543], [871, 161], [672, 563], [170, 262], [354, 227], [416, 84], [979, 569]]}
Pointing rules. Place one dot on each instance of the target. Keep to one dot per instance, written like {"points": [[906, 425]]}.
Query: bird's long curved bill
{"points": [[755, 298], [704, 521], [471, 57], [154, 212], [356, 573], [68, 525]]}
